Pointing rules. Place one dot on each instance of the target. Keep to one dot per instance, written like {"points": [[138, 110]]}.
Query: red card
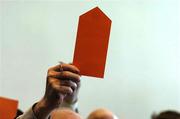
{"points": [[92, 43], [8, 108]]}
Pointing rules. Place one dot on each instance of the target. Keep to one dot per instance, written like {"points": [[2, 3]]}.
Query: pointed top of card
{"points": [[92, 43], [96, 12]]}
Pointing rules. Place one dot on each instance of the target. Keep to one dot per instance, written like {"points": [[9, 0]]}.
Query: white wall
{"points": [[0, 49], [142, 65]]}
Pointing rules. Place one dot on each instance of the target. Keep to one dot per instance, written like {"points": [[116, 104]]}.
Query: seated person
{"points": [[65, 113], [169, 114], [62, 86], [102, 113]]}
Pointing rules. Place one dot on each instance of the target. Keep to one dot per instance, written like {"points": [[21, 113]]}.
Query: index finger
{"points": [[66, 67]]}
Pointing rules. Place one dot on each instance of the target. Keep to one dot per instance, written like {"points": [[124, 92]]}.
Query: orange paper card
{"points": [[92, 43], [8, 108]]}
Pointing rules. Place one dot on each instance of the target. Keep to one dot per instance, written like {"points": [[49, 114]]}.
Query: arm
{"points": [[63, 82]]}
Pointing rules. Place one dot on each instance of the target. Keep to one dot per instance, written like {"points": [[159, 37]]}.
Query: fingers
{"points": [[64, 71], [69, 83], [64, 90], [63, 87], [63, 79], [66, 67], [64, 75]]}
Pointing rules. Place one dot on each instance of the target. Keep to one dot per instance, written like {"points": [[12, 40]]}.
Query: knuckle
{"points": [[78, 77], [49, 73], [48, 79], [69, 90], [51, 82], [49, 69], [75, 85], [65, 74]]}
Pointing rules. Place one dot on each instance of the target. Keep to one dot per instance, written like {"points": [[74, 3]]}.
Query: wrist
{"points": [[42, 110], [73, 105], [70, 102]]}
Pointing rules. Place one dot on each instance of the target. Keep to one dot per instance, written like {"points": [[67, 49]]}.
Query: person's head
{"points": [[102, 113], [65, 114], [169, 114]]}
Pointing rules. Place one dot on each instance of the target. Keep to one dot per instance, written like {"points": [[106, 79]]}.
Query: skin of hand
{"points": [[72, 98], [63, 82]]}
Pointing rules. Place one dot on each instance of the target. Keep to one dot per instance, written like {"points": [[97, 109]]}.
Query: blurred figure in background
{"points": [[102, 113], [169, 114], [65, 114]]}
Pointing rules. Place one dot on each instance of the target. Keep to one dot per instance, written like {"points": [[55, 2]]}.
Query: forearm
{"points": [[29, 114], [39, 111], [42, 110]]}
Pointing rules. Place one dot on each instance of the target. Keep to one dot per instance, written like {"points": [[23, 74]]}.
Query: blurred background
{"points": [[143, 62]]}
